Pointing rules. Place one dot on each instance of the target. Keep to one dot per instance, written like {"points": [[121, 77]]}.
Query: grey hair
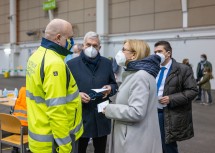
{"points": [[91, 35]]}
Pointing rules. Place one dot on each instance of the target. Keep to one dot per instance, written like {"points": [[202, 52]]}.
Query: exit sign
{"points": [[50, 5]]}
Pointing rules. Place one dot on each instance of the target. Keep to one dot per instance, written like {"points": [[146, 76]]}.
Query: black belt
{"points": [[160, 110]]}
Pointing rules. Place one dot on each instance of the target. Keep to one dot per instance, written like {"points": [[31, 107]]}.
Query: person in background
{"points": [[206, 86], [200, 70], [186, 62], [176, 90], [115, 66], [77, 48], [20, 111], [53, 100], [20, 108], [92, 71], [135, 122]]}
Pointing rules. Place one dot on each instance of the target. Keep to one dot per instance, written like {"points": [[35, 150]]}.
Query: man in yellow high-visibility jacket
{"points": [[53, 100]]}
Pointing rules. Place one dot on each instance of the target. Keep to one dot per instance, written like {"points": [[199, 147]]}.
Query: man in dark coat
{"points": [[92, 71], [176, 90]]}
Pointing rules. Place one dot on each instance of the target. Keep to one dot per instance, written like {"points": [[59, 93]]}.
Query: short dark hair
{"points": [[204, 56], [165, 44]]}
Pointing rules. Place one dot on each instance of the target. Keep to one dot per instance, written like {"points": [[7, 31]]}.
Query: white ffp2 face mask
{"points": [[120, 58], [162, 57], [91, 52]]}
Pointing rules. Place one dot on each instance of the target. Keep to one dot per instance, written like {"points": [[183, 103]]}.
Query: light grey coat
{"points": [[135, 127]]}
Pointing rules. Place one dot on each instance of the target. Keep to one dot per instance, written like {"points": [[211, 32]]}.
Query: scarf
{"points": [[202, 64], [150, 64], [90, 62]]}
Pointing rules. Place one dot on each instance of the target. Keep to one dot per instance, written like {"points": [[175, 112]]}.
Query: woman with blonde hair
{"points": [[135, 125]]}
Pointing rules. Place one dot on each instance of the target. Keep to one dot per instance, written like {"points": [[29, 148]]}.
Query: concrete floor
{"points": [[203, 117]]}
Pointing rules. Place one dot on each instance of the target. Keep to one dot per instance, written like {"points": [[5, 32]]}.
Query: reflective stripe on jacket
{"points": [[20, 108], [54, 111]]}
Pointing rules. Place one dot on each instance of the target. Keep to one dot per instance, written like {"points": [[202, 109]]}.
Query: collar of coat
{"points": [[55, 47], [174, 67]]}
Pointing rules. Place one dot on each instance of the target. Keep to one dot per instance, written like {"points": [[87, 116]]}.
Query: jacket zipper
{"points": [[75, 116]]}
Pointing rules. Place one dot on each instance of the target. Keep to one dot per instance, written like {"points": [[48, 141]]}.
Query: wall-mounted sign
{"points": [[50, 5]]}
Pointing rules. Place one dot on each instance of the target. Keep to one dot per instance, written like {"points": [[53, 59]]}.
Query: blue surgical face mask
{"points": [[69, 44]]}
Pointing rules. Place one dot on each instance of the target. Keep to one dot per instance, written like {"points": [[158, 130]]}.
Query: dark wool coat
{"points": [[95, 124]]}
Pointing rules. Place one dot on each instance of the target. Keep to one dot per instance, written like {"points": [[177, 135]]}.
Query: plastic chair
{"points": [[12, 125]]}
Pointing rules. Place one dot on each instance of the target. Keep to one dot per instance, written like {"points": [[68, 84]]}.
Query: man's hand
{"points": [[164, 100], [107, 92], [84, 97]]}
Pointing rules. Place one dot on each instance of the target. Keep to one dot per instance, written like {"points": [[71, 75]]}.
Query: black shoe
{"points": [[15, 150]]}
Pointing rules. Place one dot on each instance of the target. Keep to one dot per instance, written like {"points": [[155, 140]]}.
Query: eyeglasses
{"points": [[123, 49], [95, 95]]}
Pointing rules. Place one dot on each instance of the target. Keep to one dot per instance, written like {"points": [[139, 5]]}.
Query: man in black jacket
{"points": [[176, 88], [92, 71]]}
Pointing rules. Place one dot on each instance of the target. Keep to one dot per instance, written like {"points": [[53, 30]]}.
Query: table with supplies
{"points": [[6, 104], [7, 101]]}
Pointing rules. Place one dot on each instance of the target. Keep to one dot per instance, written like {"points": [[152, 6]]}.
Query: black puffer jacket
{"points": [[181, 88]]}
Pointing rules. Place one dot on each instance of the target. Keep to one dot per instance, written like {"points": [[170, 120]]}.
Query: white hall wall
{"points": [[13, 61], [186, 44], [191, 49]]}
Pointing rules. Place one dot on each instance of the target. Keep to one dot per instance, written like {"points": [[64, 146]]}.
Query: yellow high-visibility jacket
{"points": [[53, 101]]}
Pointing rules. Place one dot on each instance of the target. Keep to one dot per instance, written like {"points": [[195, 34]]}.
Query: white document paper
{"points": [[102, 105], [99, 90]]}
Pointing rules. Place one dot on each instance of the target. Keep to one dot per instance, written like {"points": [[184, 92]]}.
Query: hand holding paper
{"points": [[108, 91], [102, 106]]}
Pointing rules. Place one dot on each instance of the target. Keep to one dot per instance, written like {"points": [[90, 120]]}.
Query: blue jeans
{"points": [[167, 148], [209, 96], [206, 96]]}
